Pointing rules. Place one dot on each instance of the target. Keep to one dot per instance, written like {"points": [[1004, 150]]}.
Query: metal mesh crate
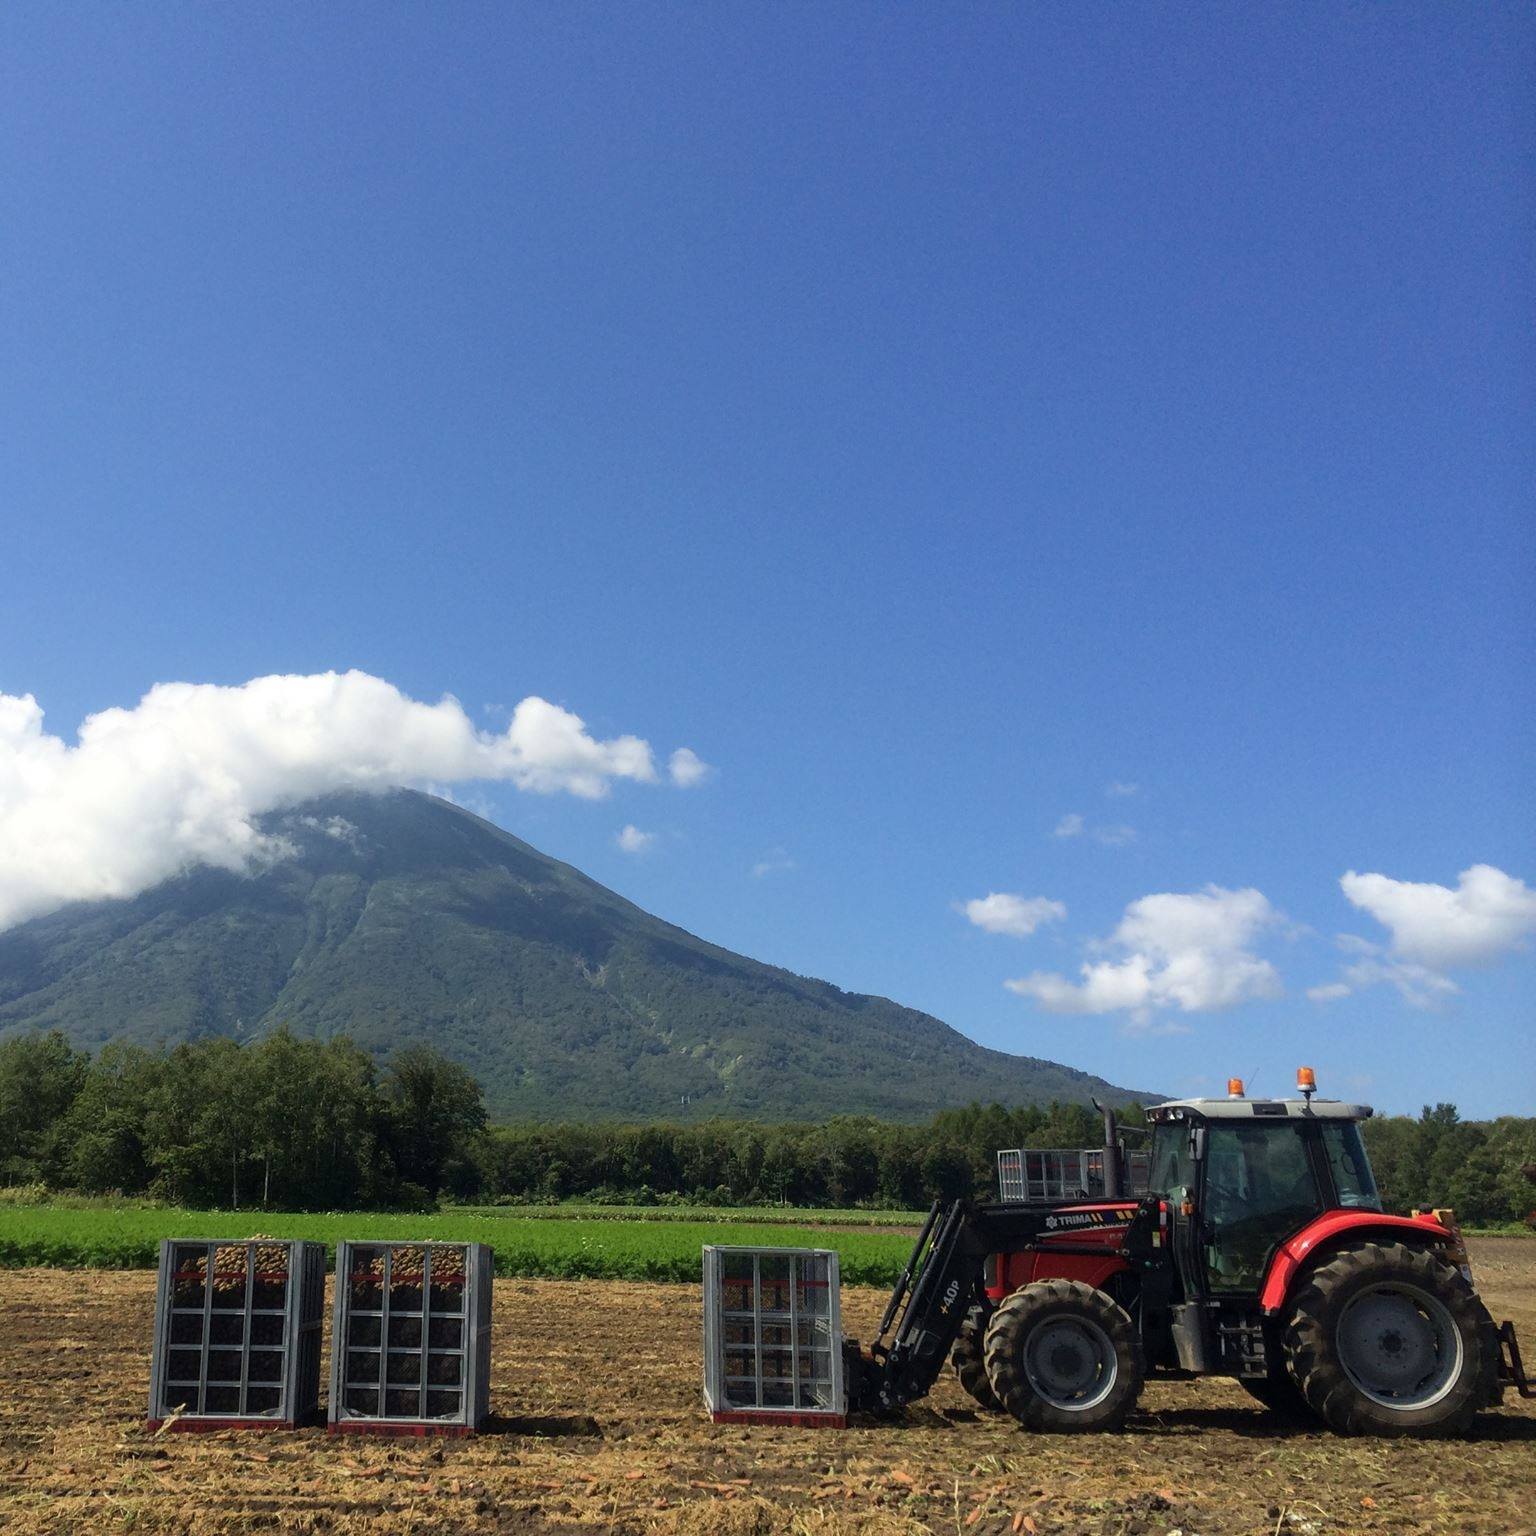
{"points": [[1035, 1176], [411, 1338], [773, 1336], [237, 1334]]}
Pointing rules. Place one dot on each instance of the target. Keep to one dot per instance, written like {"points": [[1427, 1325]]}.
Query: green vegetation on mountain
{"points": [[399, 917]]}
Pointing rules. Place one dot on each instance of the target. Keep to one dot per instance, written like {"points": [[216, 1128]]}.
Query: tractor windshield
{"points": [[1352, 1181], [1259, 1188]]}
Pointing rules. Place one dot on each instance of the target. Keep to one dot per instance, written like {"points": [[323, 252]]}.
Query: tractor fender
{"points": [[1319, 1234]]}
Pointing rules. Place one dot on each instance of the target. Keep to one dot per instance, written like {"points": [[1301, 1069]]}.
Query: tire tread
{"points": [[969, 1360]]}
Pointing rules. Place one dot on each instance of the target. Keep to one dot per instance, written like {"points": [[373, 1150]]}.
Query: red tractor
{"points": [[1260, 1251]]}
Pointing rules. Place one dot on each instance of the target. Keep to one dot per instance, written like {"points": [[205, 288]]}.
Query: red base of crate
{"points": [[396, 1427], [801, 1420], [200, 1426]]}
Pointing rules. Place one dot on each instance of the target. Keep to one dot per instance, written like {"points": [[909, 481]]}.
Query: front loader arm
{"points": [[947, 1265], [944, 1275]]}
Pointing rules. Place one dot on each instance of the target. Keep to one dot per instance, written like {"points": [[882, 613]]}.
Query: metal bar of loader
{"points": [[1513, 1369], [900, 1293]]}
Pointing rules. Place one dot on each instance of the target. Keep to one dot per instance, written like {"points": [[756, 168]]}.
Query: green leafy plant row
{"points": [[550, 1248]]}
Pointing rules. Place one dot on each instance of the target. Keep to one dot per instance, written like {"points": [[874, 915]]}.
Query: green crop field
{"points": [[558, 1247], [753, 1215]]}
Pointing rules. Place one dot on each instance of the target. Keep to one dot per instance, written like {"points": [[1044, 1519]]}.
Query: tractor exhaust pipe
{"points": [[1113, 1182]]}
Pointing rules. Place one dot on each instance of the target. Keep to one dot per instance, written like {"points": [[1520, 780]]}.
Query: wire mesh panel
{"points": [[773, 1335], [1010, 1175], [237, 1333], [411, 1338], [1029, 1175]]}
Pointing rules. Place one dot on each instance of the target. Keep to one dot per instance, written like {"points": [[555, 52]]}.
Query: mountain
{"points": [[401, 917]]}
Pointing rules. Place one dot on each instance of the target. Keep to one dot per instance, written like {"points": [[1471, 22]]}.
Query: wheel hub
{"points": [[1399, 1346], [1070, 1362]]}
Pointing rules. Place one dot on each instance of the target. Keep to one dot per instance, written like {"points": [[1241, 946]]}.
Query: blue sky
{"points": [[932, 417]]}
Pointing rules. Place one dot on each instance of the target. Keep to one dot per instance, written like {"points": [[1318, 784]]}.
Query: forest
{"points": [[295, 1124]]}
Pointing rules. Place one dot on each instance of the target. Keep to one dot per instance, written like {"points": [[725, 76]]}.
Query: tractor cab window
{"points": [[1352, 1180], [1259, 1189], [1171, 1173]]}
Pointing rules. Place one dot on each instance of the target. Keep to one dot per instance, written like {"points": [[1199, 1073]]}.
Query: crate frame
{"points": [[1045, 1175], [473, 1351], [297, 1384], [724, 1408]]}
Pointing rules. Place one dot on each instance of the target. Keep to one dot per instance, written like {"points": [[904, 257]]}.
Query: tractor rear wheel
{"points": [[1064, 1356], [969, 1361], [1384, 1339]]}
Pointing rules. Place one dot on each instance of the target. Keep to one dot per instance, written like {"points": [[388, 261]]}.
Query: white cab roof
{"points": [[1259, 1109]]}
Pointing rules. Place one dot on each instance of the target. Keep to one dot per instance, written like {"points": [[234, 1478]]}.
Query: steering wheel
{"points": [[1216, 1190]]}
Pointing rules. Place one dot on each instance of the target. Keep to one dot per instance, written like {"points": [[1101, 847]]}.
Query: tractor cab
{"points": [[1240, 1177]]}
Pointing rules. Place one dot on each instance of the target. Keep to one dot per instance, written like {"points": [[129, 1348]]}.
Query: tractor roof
{"points": [[1258, 1109]]}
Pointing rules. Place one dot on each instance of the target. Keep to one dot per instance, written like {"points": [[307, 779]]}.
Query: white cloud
{"points": [[688, 769], [1432, 928], [1143, 1023], [632, 840], [1190, 952], [1353, 944], [1074, 824], [1418, 985], [178, 779], [1486, 916], [1114, 837], [337, 827], [1117, 789], [1330, 993], [776, 861], [1001, 912]]}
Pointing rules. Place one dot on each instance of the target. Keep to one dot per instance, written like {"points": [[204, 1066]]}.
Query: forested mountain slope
{"points": [[401, 917]]}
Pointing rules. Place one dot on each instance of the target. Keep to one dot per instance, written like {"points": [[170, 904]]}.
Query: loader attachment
{"points": [[905, 1281], [938, 1286], [1511, 1367]]}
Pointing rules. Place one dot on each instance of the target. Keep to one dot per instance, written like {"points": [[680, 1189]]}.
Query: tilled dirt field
{"points": [[600, 1428]]}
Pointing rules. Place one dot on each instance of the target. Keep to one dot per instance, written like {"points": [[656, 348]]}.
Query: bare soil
{"points": [[600, 1428]]}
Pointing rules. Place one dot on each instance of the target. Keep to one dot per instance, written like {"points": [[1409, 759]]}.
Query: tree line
{"points": [[291, 1123], [283, 1122]]}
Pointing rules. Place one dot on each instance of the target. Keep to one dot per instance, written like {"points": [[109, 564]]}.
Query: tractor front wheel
{"points": [[1064, 1356], [969, 1361], [1384, 1339]]}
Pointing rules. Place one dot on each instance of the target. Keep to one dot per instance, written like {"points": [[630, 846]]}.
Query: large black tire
{"points": [[1282, 1397], [1278, 1390], [969, 1361], [1064, 1357], [1385, 1339]]}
